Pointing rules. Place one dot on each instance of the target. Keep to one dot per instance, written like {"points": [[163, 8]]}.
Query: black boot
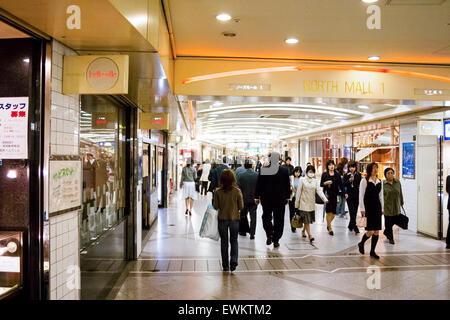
{"points": [[361, 244], [372, 247]]}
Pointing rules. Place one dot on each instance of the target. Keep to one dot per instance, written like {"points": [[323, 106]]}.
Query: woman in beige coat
{"points": [[305, 199]]}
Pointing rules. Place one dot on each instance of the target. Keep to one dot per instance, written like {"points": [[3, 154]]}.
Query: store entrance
{"points": [[23, 273]]}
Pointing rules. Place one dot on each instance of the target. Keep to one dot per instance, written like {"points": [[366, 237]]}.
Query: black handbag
{"points": [[402, 220], [319, 199]]}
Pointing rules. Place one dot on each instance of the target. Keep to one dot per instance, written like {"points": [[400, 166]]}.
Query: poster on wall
{"points": [[447, 130], [64, 185], [408, 160], [14, 128]]}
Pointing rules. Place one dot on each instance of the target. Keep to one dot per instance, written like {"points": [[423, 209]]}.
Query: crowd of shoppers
{"points": [[237, 193]]}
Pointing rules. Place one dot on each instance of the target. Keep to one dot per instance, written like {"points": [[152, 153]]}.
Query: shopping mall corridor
{"points": [[177, 264]]}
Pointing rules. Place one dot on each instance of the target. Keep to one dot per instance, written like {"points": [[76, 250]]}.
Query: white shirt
{"points": [[362, 192], [205, 172], [305, 198]]}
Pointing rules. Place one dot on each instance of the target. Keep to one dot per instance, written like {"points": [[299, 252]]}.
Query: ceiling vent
{"points": [[415, 2]]}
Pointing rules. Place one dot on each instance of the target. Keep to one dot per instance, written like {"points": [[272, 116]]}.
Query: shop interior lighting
{"points": [[223, 17], [291, 40], [12, 174], [26, 60]]}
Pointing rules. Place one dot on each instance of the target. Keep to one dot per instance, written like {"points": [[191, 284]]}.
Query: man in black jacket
{"points": [[246, 181], [447, 188], [352, 179], [273, 191], [214, 175]]}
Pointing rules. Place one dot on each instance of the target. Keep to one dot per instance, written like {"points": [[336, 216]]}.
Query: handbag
{"points": [[296, 221], [319, 199], [402, 220], [210, 224], [361, 222]]}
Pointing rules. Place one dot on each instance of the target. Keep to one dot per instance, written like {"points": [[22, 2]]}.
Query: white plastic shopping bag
{"points": [[210, 224]]}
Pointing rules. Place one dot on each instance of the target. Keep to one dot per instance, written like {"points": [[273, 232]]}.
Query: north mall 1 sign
{"points": [[96, 74]]}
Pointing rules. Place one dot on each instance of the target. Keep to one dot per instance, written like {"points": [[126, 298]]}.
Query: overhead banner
{"points": [[96, 74], [14, 128], [65, 186]]}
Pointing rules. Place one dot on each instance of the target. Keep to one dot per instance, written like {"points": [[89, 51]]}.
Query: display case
{"points": [[11, 263]]}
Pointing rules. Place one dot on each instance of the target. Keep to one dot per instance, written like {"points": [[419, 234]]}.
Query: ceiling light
{"points": [[373, 58], [291, 40], [217, 104], [26, 60], [12, 174], [223, 17], [363, 107], [369, 1]]}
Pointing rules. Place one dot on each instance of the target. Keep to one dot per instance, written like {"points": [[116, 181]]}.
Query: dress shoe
{"points": [[391, 241], [242, 234], [374, 255], [233, 267], [303, 235], [252, 236], [276, 244], [331, 233], [269, 242]]}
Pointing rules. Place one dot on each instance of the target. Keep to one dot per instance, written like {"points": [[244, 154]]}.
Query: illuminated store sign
{"points": [[96, 74], [154, 121]]}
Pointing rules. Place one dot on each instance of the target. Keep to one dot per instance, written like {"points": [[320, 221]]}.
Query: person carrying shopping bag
{"points": [[305, 198], [228, 201]]}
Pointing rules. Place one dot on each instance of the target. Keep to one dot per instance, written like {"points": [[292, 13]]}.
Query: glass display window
{"points": [[103, 149]]}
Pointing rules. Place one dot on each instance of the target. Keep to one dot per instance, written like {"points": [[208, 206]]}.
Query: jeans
{"points": [[340, 209], [276, 212], [233, 226], [249, 207], [204, 187]]}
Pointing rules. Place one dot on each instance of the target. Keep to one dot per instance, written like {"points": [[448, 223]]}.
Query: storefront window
{"points": [[103, 148]]}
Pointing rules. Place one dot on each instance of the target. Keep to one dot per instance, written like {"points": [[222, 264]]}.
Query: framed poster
{"points": [[408, 160], [447, 130], [65, 186], [14, 128]]}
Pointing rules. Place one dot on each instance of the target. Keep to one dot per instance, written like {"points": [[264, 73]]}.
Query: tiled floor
{"points": [[177, 264]]}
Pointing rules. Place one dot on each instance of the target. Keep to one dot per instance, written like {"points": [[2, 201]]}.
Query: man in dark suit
{"points": [[447, 188], [246, 181], [214, 175], [273, 190]]}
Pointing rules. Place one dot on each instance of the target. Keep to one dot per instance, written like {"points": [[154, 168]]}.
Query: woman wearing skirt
{"points": [[188, 176], [305, 198], [371, 204]]}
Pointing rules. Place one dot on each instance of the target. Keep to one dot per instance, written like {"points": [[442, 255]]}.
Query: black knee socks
{"points": [[364, 239], [374, 243]]}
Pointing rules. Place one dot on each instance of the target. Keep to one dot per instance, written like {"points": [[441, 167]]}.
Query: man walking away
{"points": [[246, 181], [273, 191]]}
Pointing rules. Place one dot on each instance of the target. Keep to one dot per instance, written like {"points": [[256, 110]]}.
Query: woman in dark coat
{"points": [[332, 184], [371, 204], [352, 180]]}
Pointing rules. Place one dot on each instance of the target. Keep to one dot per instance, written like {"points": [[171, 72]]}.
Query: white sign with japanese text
{"points": [[65, 185], [14, 128]]}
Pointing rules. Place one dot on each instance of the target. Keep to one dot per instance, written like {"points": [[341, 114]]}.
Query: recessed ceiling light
{"points": [[363, 107], [373, 58], [369, 1], [223, 17], [291, 40]]}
